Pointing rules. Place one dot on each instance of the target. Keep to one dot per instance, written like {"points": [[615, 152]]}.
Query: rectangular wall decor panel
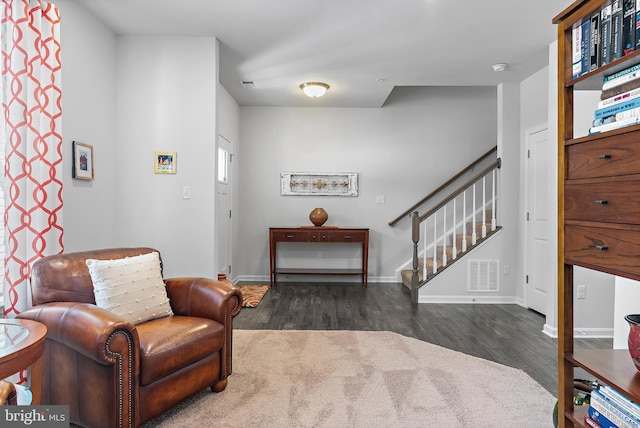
{"points": [[319, 183]]}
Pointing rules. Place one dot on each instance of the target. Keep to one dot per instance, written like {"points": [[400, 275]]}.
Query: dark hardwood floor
{"points": [[507, 334]]}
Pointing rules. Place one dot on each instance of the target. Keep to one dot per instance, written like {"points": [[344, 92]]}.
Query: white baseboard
{"points": [[485, 300], [593, 333], [550, 331], [581, 333], [312, 278]]}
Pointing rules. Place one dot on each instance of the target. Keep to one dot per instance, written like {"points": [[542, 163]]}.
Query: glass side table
{"points": [[21, 347]]}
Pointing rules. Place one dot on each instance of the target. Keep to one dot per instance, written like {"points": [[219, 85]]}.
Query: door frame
{"points": [[219, 219]]}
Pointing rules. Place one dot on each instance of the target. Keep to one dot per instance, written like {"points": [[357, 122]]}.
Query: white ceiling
{"points": [[362, 48]]}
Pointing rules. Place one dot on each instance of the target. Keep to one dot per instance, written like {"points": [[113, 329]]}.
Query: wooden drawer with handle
{"points": [[610, 200], [607, 249], [291, 235], [608, 156], [340, 236]]}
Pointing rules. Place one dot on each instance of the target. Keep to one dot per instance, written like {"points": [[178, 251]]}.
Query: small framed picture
{"points": [[82, 161], [165, 162]]}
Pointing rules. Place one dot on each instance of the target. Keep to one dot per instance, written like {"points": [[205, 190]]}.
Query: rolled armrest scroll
{"points": [[85, 328]]}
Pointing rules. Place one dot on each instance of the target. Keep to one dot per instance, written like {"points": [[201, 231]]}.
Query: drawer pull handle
{"points": [[602, 247], [602, 202], [291, 236], [347, 236], [607, 156]]}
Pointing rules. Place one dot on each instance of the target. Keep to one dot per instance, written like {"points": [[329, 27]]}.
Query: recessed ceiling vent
{"points": [[248, 83]]}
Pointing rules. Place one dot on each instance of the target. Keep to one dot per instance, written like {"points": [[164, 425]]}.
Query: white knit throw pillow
{"points": [[131, 287]]}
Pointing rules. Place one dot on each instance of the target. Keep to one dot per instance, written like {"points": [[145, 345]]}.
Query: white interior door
{"points": [[538, 268], [223, 207]]}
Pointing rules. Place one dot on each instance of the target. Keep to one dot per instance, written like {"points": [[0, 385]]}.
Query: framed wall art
{"points": [[319, 183], [165, 162], [82, 161]]}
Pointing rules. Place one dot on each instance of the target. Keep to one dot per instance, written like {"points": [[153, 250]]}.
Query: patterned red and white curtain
{"points": [[32, 140]]}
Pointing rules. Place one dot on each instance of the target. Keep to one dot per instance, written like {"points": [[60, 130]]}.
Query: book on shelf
{"points": [[605, 34], [621, 73], [633, 74], [616, 29], [620, 89], [576, 50], [599, 419], [637, 24], [617, 108], [613, 125], [621, 401], [629, 95], [589, 421], [627, 114], [594, 45], [628, 26], [612, 411], [604, 120], [585, 43]]}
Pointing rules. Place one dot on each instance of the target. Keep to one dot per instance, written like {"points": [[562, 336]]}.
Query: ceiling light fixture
{"points": [[499, 67], [314, 89]]}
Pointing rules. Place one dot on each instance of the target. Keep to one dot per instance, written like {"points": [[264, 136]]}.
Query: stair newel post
{"points": [[423, 226], [444, 236], [464, 221], [484, 203], [415, 236], [474, 236], [493, 200], [454, 246]]}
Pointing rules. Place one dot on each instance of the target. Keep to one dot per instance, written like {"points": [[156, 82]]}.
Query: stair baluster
{"points": [[493, 200], [464, 222], [454, 247], [435, 243], [474, 236], [484, 204]]}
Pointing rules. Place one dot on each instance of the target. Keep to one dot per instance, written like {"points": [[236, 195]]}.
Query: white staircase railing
{"points": [[448, 222]]}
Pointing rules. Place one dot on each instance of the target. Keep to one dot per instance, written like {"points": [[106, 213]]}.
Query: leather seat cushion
{"points": [[172, 343]]}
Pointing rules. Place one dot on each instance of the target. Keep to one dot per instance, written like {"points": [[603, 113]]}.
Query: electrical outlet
{"points": [[380, 199], [582, 291]]}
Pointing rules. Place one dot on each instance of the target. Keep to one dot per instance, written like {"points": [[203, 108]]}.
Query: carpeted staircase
{"points": [[408, 273]]}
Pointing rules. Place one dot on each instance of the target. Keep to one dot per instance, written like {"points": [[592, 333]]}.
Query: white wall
{"points": [[89, 110], [627, 302], [418, 140], [166, 101]]}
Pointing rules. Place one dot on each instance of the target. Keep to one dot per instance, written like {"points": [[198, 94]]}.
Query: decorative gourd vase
{"points": [[634, 338], [318, 216]]}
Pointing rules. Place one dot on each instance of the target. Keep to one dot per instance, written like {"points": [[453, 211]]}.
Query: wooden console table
{"points": [[336, 235]]}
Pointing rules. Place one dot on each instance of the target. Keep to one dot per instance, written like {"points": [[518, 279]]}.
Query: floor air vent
{"points": [[483, 275]]}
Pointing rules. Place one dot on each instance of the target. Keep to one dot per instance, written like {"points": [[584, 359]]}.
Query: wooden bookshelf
{"points": [[600, 236]]}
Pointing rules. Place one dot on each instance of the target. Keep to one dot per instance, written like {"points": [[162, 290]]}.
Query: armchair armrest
{"points": [[87, 329], [204, 297], [207, 298]]}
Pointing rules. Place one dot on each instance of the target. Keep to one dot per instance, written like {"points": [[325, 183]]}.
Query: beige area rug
{"points": [[361, 379]]}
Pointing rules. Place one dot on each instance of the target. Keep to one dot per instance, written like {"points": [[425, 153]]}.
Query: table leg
{"points": [[36, 372]]}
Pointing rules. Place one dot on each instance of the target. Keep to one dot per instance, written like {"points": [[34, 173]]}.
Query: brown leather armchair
{"points": [[113, 373]]}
